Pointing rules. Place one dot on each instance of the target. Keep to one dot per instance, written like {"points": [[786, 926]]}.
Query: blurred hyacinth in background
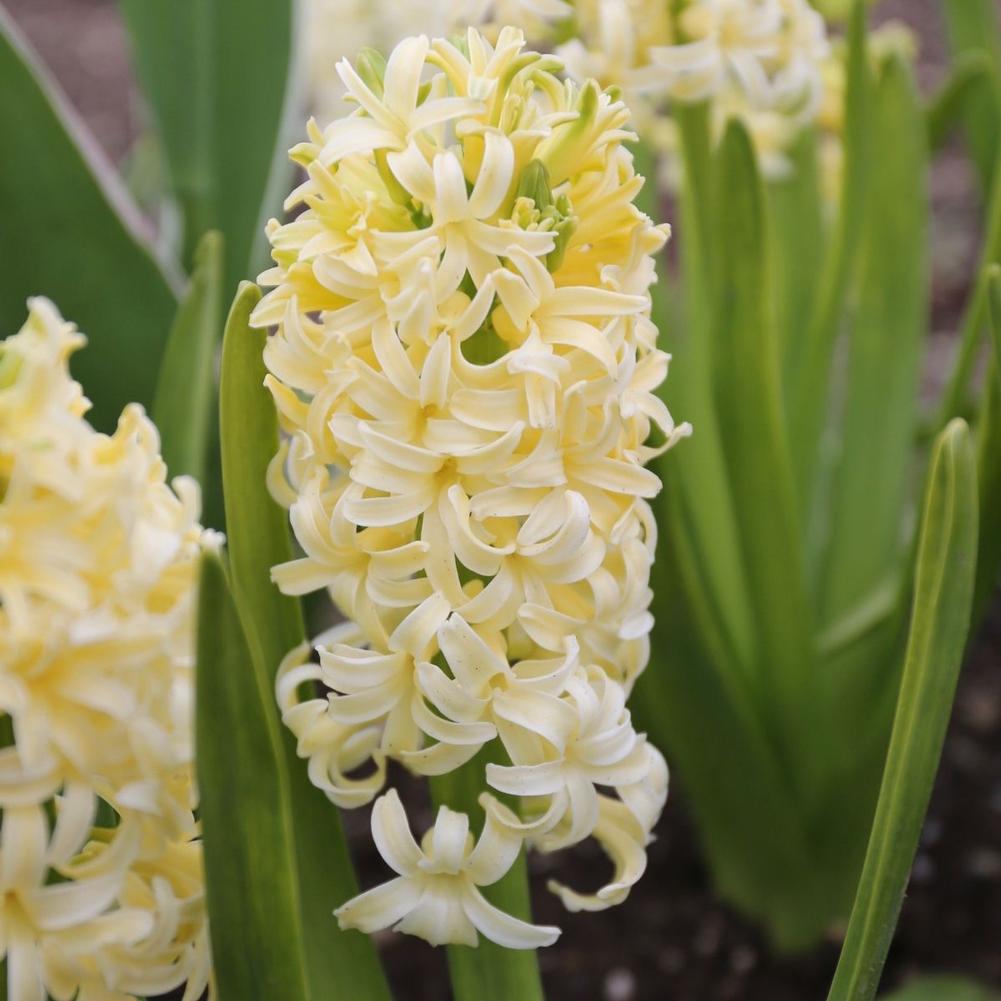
{"points": [[477, 574], [101, 861]]}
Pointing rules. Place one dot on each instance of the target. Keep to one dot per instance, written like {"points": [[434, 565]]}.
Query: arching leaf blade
{"points": [[940, 619], [70, 232], [184, 408], [341, 966]]}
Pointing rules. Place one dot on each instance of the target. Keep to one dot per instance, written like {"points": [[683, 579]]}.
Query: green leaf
{"points": [[489, 972], [646, 165], [795, 210], [941, 988], [748, 403], [940, 619], [763, 864], [955, 397], [696, 489], [971, 84], [70, 232], [871, 483], [338, 965], [258, 527], [184, 407], [838, 10], [993, 277], [808, 366], [250, 866], [988, 431], [972, 26], [216, 75]]}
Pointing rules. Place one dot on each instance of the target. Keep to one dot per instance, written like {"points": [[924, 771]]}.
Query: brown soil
{"points": [[673, 939]]}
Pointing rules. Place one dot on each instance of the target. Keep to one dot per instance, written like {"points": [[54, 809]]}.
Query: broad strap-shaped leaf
{"points": [[970, 85], [871, 481], [955, 397], [988, 432], [973, 26], [216, 75], [749, 407], [258, 528], [940, 619], [184, 408], [808, 364], [489, 972], [250, 869], [697, 499], [749, 824], [795, 206], [69, 231], [339, 966], [941, 988]]}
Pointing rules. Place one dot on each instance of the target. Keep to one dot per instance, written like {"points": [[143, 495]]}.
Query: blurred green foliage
{"points": [[784, 581], [70, 231]]}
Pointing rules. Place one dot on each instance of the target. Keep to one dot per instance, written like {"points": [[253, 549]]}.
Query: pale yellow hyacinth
{"points": [[465, 369], [765, 62], [337, 29], [761, 61], [98, 570]]}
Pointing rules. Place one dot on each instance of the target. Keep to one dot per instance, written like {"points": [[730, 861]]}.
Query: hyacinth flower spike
{"points": [[98, 573], [465, 368]]}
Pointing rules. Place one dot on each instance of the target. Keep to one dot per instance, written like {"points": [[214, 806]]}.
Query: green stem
{"points": [[489, 972]]}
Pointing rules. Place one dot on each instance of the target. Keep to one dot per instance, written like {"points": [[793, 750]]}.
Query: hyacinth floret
{"points": [[100, 858], [465, 370]]}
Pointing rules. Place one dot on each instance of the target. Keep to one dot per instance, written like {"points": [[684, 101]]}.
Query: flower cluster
{"points": [[335, 29], [765, 62], [761, 61], [100, 863], [465, 369]]}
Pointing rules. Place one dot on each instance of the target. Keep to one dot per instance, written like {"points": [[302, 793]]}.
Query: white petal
{"points": [[439, 759], [472, 662], [24, 968], [23, 839], [527, 780], [380, 907], [73, 823], [448, 842], [505, 930], [67, 904], [392, 835], [494, 178], [439, 918], [497, 847], [451, 202], [402, 79]]}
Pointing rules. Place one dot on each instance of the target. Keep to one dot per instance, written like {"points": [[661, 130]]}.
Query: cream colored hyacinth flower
{"points": [[100, 864], [465, 368], [765, 62], [762, 61], [335, 29]]}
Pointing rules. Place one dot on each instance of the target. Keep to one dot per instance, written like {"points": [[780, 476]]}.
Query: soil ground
{"points": [[673, 939]]}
